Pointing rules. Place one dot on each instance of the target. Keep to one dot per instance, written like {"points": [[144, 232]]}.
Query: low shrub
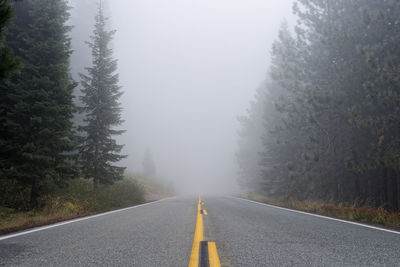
{"points": [[77, 199]]}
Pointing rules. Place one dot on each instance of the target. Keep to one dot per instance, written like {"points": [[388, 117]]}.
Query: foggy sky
{"points": [[188, 69]]}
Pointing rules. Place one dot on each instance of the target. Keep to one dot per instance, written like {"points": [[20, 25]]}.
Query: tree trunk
{"points": [[376, 188], [357, 190], [368, 194], [336, 190], [34, 194], [391, 189], [398, 191], [383, 188], [95, 184], [396, 188]]}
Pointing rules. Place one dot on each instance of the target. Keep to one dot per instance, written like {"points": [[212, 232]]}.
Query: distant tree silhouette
{"points": [[149, 167]]}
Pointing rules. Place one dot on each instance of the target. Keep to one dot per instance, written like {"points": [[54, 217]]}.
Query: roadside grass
{"points": [[364, 214], [16, 221], [79, 199]]}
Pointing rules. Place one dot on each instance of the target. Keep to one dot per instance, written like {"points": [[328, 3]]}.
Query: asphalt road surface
{"points": [[161, 234]]}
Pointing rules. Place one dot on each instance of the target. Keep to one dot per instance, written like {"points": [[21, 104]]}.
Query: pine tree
{"points": [[36, 106], [98, 149], [149, 167], [328, 94], [331, 108], [8, 63], [337, 70], [250, 143], [377, 111], [285, 117]]}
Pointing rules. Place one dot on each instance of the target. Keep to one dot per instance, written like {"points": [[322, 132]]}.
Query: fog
{"points": [[188, 69]]}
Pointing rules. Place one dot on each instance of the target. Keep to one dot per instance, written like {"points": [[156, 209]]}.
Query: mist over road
{"points": [[161, 234]]}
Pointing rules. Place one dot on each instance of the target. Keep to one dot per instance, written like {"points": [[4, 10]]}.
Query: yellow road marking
{"points": [[198, 237], [213, 258], [199, 205]]}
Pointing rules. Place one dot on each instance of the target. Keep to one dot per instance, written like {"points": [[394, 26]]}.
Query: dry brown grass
{"points": [[24, 220], [77, 200], [360, 214]]}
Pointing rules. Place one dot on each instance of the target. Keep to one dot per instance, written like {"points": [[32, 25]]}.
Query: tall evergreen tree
{"points": [[331, 120], [8, 63], [377, 111], [98, 149], [333, 83], [250, 142], [36, 135]]}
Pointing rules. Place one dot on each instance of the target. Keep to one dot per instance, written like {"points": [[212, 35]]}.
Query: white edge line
{"points": [[321, 216], [8, 236]]}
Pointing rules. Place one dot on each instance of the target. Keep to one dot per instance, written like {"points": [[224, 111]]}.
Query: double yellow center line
{"points": [[195, 259]]}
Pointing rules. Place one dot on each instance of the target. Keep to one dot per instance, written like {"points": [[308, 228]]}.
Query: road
{"points": [[162, 233]]}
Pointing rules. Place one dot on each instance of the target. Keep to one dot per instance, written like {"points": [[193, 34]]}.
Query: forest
{"points": [[324, 125], [199, 133], [56, 129]]}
